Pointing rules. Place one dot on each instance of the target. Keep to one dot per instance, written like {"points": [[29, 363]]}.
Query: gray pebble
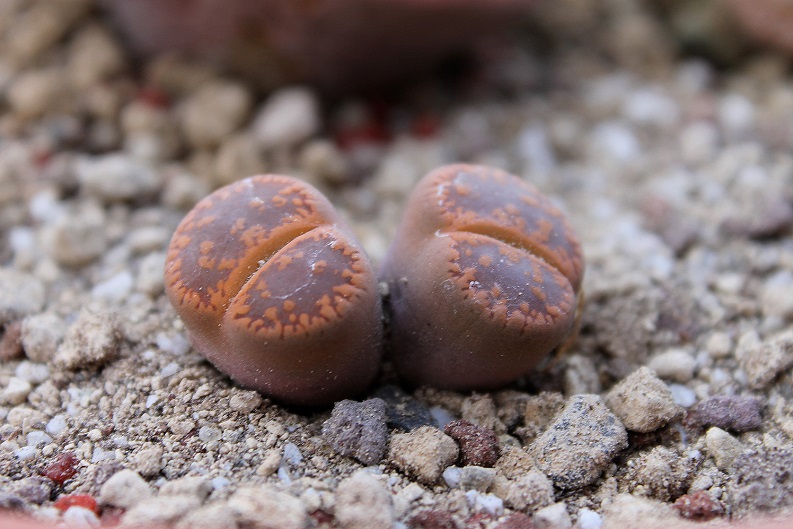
{"points": [[358, 430], [580, 443], [91, 341], [403, 411], [737, 414], [362, 502], [762, 481], [117, 177], [21, 294], [642, 401], [124, 489], [41, 335], [35, 489], [765, 361]]}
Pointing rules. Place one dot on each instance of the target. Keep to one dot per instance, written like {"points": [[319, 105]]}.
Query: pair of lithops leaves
{"points": [[483, 281]]}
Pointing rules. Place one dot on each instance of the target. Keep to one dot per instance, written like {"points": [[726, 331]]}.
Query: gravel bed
{"points": [[674, 404]]}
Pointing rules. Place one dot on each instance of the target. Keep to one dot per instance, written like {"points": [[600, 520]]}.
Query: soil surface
{"points": [[674, 405]]}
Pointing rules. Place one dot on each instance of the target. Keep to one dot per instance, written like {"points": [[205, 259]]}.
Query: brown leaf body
{"points": [[484, 276], [275, 292]]}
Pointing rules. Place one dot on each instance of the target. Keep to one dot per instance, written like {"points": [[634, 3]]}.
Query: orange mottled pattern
{"points": [[223, 240], [514, 286], [275, 292], [311, 282], [484, 279], [499, 205]]}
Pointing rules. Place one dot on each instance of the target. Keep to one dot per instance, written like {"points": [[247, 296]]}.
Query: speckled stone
{"points": [[733, 413], [478, 445], [642, 401], [580, 443], [358, 430]]}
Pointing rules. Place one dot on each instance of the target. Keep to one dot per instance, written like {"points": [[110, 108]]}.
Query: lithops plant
{"points": [[484, 279], [274, 291]]}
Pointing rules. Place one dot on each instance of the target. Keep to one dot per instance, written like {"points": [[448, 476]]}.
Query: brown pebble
{"points": [[11, 342], [478, 445], [698, 506], [733, 413], [516, 520], [435, 519]]}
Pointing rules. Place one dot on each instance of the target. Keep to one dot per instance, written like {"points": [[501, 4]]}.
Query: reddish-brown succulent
{"points": [[484, 278], [275, 292]]}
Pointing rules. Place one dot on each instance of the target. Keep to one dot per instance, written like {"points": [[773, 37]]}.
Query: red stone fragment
{"points": [[435, 519], [516, 520], [478, 445], [698, 506], [62, 468], [76, 500]]}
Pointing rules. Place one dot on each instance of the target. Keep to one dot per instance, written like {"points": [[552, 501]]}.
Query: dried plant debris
{"points": [[673, 405]]}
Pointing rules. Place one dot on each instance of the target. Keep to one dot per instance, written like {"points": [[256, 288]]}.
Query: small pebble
{"points": [[197, 487], [253, 505], [90, 342], [489, 503], [642, 401], [16, 391], [288, 117], [526, 490], [34, 489], [362, 502], [776, 296], [32, 372], [733, 413], [699, 506], [475, 478], [358, 430], [765, 361], [147, 461], [424, 453], [11, 502], [762, 481], [115, 288], [81, 518], [21, 295], [719, 345], [675, 364], [159, 512], [723, 447], [124, 489], [324, 162], [209, 434], [41, 336], [403, 411], [214, 111], [736, 113], [516, 520], [553, 517], [62, 468], [580, 444], [245, 401], [682, 395], [94, 56], [588, 519], [238, 157], [34, 93], [270, 464], [432, 519], [77, 237], [11, 342], [117, 177], [478, 445]]}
